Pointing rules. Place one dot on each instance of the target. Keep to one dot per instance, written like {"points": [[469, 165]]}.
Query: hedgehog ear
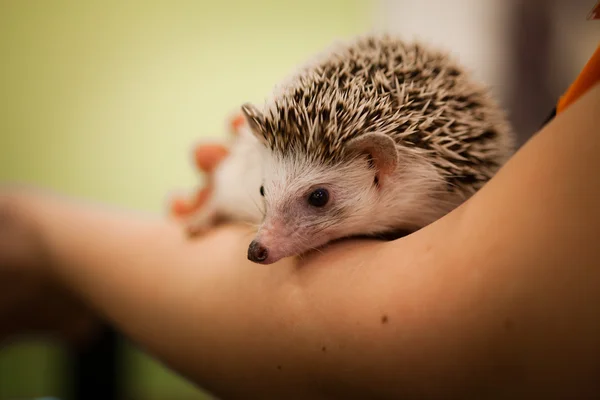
{"points": [[255, 120], [380, 148]]}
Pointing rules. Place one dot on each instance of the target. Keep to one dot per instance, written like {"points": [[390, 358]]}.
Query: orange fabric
{"points": [[589, 76]]}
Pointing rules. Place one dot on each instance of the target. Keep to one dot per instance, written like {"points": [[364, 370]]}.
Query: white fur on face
{"points": [[409, 198]]}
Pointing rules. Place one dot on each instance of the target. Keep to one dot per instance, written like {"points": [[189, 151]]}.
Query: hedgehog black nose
{"points": [[257, 252]]}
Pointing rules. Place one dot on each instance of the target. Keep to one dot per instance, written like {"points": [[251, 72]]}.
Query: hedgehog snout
{"points": [[269, 245], [257, 252]]}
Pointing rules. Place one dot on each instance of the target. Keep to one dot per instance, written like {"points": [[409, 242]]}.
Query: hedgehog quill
{"points": [[374, 136]]}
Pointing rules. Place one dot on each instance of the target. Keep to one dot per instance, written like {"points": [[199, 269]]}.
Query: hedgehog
{"points": [[376, 136]]}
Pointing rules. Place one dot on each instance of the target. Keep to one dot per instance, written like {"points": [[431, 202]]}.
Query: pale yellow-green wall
{"points": [[103, 100]]}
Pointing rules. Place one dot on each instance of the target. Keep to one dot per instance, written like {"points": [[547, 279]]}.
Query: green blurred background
{"points": [[104, 99]]}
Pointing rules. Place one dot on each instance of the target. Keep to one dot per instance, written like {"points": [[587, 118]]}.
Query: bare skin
{"points": [[496, 300]]}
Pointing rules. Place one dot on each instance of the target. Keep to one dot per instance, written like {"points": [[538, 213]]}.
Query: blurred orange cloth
{"points": [[588, 77]]}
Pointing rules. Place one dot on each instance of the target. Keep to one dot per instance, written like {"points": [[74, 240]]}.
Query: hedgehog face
{"points": [[308, 204]]}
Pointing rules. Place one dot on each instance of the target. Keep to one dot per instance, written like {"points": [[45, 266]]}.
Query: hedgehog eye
{"points": [[318, 198], [262, 191]]}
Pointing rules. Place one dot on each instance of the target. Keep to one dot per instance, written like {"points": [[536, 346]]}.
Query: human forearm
{"points": [[179, 299], [349, 321], [340, 322], [532, 239]]}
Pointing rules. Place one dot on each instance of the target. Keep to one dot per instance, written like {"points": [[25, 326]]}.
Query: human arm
{"points": [[498, 297], [31, 303]]}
